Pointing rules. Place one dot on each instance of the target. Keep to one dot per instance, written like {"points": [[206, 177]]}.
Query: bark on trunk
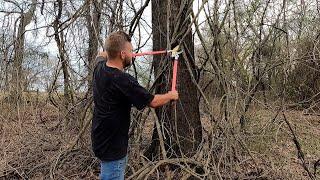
{"points": [[181, 122]]}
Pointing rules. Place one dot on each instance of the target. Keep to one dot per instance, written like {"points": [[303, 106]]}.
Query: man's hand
{"points": [[162, 99], [173, 95]]}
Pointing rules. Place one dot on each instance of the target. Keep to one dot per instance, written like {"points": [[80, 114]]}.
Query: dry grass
{"points": [[34, 144], [32, 139], [270, 140]]}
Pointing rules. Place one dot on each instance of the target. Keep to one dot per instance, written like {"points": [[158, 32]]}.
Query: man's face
{"points": [[126, 55]]}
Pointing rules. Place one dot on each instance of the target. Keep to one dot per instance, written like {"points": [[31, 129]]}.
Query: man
{"points": [[114, 92]]}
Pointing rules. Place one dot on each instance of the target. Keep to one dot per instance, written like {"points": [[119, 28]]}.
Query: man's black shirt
{"points": [[114, 92]]}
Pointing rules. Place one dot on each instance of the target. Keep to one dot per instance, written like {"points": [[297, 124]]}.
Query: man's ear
{"points": [[122, 55]]}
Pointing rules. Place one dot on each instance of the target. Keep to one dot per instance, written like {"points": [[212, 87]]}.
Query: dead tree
{"points": [[60, 40], [17, 73], [93, 26]]}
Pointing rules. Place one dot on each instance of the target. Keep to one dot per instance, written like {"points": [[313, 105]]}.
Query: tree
{"points": [[181, 120], [17, 75], [93, 26]]}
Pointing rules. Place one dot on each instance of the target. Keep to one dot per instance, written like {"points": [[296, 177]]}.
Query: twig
{"points": [[298, 146], [164, 152], [148, 169]]}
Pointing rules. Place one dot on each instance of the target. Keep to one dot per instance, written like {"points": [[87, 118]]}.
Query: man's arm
{"points": [[162, 99]]}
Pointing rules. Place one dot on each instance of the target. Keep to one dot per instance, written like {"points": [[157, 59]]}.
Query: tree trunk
{"points": [[17, 75], [94, 30], [93, 26], [181, 120], [59, 38]]}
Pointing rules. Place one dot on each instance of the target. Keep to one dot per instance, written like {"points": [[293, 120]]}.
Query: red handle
{"points": [[148, 53], [174, 74]]}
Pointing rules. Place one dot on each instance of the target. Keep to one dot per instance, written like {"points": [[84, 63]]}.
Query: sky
{"points": [[52, 49], [38, 39], [37, 32]]}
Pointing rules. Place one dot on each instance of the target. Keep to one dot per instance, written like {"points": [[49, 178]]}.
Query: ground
{"points": [[34, 144]]}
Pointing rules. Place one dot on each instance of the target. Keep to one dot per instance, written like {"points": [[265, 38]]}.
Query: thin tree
{"points": [[19, 46]]}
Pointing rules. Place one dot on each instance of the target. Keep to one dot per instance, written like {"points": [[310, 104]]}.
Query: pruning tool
{"points": [[174, 54]]}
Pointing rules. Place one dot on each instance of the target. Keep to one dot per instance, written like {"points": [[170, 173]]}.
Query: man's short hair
{"points": [[115, 43]]}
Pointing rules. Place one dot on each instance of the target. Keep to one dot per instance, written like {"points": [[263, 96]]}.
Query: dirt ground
{"points": [[33, 144]]}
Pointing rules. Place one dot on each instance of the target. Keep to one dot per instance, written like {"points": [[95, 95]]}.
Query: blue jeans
{"points": [[113, 170]]}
